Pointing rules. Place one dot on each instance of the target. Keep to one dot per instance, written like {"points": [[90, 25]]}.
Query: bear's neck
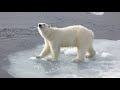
{"points": [[48, 34]]}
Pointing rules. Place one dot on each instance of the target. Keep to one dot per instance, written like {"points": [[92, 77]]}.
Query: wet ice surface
{"points": [[106, 63]]}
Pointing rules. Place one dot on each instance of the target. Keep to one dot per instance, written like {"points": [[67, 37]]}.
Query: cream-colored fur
{"points": [[71, 36]]}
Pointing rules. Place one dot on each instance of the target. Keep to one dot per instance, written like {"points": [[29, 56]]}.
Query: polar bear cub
{"points": [[71, 36]]}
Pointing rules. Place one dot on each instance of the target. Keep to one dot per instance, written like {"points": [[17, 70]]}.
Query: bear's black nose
{"points": [[40, 25]]}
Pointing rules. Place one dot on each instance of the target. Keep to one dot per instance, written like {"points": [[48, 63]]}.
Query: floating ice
{"points": [[63, 50], [71, 51], [105, 64], [105, 55], [97, 13], [32, 58]]}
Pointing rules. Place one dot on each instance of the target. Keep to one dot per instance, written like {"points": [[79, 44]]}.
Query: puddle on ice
{"points": [[105, 64]]}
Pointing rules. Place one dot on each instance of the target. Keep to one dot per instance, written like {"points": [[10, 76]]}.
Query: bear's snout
{"points": [[40, 25]]}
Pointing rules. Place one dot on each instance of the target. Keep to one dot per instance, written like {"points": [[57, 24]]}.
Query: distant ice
{"points": [[97, 13], [106, 63]]}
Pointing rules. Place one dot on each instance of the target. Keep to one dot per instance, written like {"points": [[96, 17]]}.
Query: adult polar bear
{"points": [[71, 36]]}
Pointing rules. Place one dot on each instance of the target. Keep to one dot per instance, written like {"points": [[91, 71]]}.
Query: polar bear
{"points": [[71, 36]]}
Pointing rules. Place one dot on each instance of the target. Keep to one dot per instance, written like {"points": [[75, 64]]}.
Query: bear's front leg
{"points": [[45, 51], [55, 51]]}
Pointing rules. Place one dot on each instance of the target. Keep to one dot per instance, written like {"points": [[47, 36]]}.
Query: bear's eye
{"points": [[43, 24]]}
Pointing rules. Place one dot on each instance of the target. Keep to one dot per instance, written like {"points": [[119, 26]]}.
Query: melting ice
{"points": [[106, 63]]}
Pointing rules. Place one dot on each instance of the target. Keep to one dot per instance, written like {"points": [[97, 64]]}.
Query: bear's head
{"points": [[43, 26], [44, 30]]}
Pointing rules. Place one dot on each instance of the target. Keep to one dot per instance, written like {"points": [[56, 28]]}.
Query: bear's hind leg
{"points": [[91, 52], [80, 55]]}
